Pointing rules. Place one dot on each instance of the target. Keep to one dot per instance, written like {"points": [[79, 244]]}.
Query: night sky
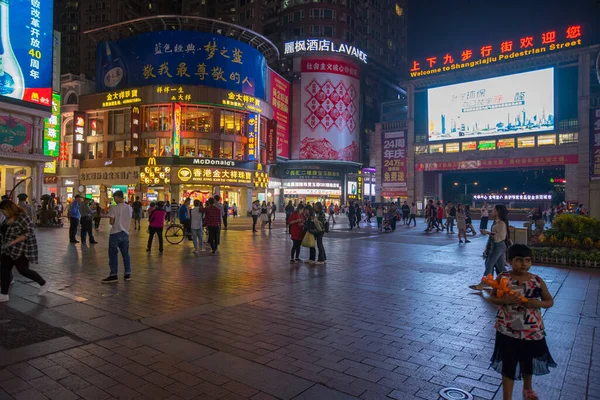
{"points": [[439, 26]]}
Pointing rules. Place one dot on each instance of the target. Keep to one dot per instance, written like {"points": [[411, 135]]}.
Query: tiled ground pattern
{"points": [[388, 317]]}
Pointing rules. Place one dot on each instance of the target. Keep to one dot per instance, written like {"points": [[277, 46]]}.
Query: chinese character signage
{"points": [[244, 101], [323, 45], [78, 135], [50, 167], [393, 156], [512, 197], [121, 97], [515, 162], [329, 126], [181, 58], [135, 130], [52, 128], [303, 174], [155, 175], [211, 175], [177, 130], [280, 101], [253, 135], [26, 53], [507, 50], [272, 142], [595, 144]]}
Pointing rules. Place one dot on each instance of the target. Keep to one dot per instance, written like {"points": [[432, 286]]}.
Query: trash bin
{"points": [[520, 235]]}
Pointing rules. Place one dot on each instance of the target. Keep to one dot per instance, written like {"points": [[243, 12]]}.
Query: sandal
{"points": [[476, 287], [530, 394]]}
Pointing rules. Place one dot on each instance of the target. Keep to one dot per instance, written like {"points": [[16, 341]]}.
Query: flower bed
{"points": [[567, 256]]}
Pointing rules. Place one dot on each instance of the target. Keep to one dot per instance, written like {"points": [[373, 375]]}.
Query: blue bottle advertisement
{"points": [[112, 69]]}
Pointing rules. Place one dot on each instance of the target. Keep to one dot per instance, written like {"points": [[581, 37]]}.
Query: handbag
{"points": [[309, 240]]}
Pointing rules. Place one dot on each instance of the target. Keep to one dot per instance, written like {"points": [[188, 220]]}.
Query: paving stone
{"points": [[322, 392], [93, 393], [61, 394], [123, 392], [74, 383], [25, 371], [14, 385], [30, 394], [56, 372], [44, 384], [151, 391], [101, 381]]}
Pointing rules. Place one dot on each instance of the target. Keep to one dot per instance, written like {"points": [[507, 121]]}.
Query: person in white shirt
{"points": [[485, 214], [120, 219], [197, 215]]}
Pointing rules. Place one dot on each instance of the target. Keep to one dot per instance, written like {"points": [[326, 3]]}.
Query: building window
{"points": [[452, 147], [565, 138], [328, 31], [165, 148], [240, 148], [196, 119], [100, 150], [231, 122], [157, 118], [150, 147], [299, 31], [96, 125], [188, 147], [116, 149], [436, 148], [119, 122], [546, 140], [524, 142], [91, 151], [205, 148], [298, 15], [127, 148], [469, 146], [487, 145], [226, 150]]}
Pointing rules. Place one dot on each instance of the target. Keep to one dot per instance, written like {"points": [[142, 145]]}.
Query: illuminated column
{"points": [[410, 145], [176, 129]]}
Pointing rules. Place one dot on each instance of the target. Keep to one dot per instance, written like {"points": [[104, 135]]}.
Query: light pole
{"points": [[466, 184]]}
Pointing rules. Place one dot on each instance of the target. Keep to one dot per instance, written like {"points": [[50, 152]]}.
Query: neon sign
{"points": [[323, 45], [503, 51], [78, 135], [177, 130], [253, 126]]}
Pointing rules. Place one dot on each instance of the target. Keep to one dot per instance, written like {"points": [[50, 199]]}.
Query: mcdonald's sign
{"points": [[151, 161]]}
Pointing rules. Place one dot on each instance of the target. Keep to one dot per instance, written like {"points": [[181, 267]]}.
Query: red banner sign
{"points": [[280, 101], [393, 155], [272, 141], [595, 145], [499, 163], [394, 193]]}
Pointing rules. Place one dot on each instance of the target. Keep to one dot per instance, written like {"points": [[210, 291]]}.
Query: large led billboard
{"points": [[506, 105], [26, 51]]}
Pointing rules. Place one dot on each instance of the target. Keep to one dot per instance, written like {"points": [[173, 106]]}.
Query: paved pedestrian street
{"points": [[389, 316]]}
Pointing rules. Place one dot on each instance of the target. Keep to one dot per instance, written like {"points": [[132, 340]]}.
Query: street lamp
{"points": [[505, 189], [466, 184]]}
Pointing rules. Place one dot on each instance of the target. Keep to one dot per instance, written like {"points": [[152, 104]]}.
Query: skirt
{"points": [[514, 358], [264, 217]]}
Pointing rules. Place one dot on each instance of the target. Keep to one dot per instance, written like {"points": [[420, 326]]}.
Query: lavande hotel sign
{"points": [[323, 46], [492, 53]]}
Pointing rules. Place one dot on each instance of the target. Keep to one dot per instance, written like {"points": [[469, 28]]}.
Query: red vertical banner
{"points": [[135, 130], [595, 145], [280, 101], [272, 141], [393, 171]]}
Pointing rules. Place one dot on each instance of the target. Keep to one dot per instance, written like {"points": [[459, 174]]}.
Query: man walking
{"points": [[137, 213], [74, 217], [212, 220], [120, 219], [86, 221], [225, 214], [451, 213], [255, 214], [184, 217]]}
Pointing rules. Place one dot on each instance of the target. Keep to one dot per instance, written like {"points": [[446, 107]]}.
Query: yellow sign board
{"points": [[212, 175]]}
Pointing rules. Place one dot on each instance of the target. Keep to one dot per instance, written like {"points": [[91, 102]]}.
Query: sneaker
{"points": [[460, 241], [94, 242], [292, 261], [213, 253], [467, 241], [202, 250], [44, 289], [74, 241], [147, 249], [111, 279], [298, 260], [320, 262], [161, 250], [127, 277], [311, 262], [3, 298], [196, 251]]}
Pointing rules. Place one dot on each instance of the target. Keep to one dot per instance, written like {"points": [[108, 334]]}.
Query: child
{"points": [[520, 335], [379, 215]]}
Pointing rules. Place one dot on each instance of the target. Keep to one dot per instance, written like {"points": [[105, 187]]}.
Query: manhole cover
{"points": [[455, 394]]}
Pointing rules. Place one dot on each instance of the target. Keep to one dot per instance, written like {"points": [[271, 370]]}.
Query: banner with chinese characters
{"points": [[513, 197], [26, 51], [272, 142], [393, 166], [210, 175], [135, 130], [181, 57], [595, 144], [305, 173], [52, 128], [16, 135], [280, 101], [330, 103], [508, 50], [177, 130], [515, 162], [253, 137], [78, 135]]}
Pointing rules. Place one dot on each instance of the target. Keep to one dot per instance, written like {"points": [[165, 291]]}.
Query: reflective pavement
{"points": [[389, 316]]}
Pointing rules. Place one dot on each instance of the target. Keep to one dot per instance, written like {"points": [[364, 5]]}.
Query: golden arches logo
{"points": [[151, 161]]}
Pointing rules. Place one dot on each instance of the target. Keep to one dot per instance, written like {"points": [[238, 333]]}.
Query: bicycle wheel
{"points": [[174, 234]]}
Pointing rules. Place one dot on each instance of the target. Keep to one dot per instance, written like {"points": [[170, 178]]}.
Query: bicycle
{"points": [[175, 233]]}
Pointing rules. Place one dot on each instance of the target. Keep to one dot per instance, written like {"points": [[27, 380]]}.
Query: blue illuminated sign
{"points": [[26, 50], [253, 135], [181, 57]]}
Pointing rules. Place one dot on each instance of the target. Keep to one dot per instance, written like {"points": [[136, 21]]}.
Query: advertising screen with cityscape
{"points": [[506, 105]]}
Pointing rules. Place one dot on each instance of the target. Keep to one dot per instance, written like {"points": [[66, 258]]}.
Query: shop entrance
{"points": [[204, 192], [325, 200]]}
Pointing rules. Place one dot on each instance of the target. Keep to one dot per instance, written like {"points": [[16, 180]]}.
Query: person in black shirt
{"points": [[405, 213], [137, 213]]}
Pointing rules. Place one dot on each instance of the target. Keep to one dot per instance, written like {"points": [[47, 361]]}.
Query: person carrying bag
{"points": [[310, 232]]}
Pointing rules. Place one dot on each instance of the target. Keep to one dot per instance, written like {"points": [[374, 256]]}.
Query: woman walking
{"points": [[264, 215], [156, 223], [320, 225], [296, 228], [495, 249], [289, 209], [197, 215], [461, 224], [485, 216], [310, 227], [255, 213], [19, 248]]}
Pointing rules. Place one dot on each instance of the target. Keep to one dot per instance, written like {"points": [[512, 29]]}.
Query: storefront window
{"points": [[91, 151], [239, 151], [116, 149], [157, 118], [127, 148], [150, 146], [452, 147], [436, 148], [565, 138], [205, 148], [528, 141], [506, 143], [188, 147], [226, 150], [119, 122], [545, 140], [96, 125], [232, 122], [196, 119], [100, 150], [165, 148]]}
